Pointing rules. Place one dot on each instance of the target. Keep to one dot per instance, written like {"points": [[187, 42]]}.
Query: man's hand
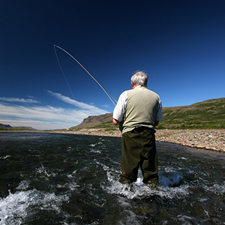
{"points": [[115, 121]]}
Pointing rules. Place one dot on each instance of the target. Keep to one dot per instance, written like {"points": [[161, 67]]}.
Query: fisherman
{"points": [[138, 112]]}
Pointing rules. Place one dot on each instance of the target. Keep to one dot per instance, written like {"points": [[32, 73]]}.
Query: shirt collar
{"points": [[137, 86]]}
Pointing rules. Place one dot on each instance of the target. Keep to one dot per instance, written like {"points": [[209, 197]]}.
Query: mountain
{"points": [[209, 114], [4, 126], [102, 121], [8, 127]]}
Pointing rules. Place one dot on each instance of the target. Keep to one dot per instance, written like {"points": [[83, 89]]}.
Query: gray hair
{"points": [[140, 77]]}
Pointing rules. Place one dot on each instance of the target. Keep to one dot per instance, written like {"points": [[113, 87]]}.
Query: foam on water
{"points": [[95, 151], [5, 157], [24, 184], [186, 219], [218, 189], [15, 207], [71, 186], [142, 191], [168, 186], [44, 173]]}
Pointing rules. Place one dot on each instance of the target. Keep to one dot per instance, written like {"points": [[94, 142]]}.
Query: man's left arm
{"points": [[159, 114]]}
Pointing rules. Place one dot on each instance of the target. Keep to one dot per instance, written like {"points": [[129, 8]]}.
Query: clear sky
{"points": [[180, 44]]}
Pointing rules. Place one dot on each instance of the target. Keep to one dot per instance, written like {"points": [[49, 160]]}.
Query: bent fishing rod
{"points": [[106, 92]]}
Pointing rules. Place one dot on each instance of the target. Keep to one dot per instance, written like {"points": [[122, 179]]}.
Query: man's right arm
{"points": [[120, 108], [115, 121]]}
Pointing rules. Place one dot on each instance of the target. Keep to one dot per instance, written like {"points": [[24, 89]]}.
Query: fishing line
{"points": [[63, 72], [106, 92]]}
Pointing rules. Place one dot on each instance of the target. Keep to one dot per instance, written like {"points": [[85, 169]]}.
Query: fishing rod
{"points": [[106, 92]]}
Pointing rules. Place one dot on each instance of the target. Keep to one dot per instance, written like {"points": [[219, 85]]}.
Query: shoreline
{"points": [[212, 139], [209, 139]]}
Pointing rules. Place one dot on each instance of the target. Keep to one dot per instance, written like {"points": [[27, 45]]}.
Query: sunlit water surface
{"points": [[73, 179]]}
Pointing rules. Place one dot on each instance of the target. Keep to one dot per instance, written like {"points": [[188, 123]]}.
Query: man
{"points": [[137, 112]]}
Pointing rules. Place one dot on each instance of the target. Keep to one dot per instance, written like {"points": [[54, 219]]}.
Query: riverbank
{"points": [[204, 139], [212, 139]]}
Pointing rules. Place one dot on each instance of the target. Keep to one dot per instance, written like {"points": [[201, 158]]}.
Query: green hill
{"points": [[209, 114]]}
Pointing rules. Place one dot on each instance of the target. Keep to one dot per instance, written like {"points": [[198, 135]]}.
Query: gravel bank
{"points": [[205, 139]]}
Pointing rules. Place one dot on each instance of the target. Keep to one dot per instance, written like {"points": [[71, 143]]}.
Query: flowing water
{"points": [[73, 179]]}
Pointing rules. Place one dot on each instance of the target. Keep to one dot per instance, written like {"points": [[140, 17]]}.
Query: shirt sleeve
{"points": [[159, 115], [120, 108]]}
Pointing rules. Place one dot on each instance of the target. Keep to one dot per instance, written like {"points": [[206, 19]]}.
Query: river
{"points": [[73, 179]]}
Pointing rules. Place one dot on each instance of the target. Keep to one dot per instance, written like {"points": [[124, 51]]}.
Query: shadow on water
{"points": [[72, 179]]}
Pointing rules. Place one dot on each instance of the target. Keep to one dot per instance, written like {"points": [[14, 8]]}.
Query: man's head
{"points": [[139, 78]]}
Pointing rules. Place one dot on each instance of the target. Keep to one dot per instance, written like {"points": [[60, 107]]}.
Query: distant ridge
{"points": [[208, 114], [8, 127], [94, 121], [24, 127], [5, 125]]}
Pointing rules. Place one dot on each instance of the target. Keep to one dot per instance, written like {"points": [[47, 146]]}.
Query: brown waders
{"points": [[139, 149]]}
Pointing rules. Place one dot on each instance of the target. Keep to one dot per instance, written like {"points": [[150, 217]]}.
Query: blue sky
{"points": [[180, 44]]}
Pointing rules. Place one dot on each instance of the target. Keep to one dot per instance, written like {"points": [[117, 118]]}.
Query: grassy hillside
{"points": [[209, 114]]}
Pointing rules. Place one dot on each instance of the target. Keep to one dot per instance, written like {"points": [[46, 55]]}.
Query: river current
{"points": [[73, 179]]}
